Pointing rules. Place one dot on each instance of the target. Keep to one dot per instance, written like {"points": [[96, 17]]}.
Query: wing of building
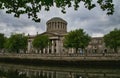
{"points": [[56, 30]]}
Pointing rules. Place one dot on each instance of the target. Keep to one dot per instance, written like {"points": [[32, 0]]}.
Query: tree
{"points": [[112, 39], [2, 41], [24, 43], [16, 43], [40, 42], [76, 39], [32, 7]]}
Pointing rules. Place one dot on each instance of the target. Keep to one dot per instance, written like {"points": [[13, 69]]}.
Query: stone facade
{"points": [[97, 45], [56, 30], [57, 25]]}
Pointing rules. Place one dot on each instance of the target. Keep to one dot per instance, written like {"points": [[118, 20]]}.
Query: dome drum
{"points": [[56, 25]]}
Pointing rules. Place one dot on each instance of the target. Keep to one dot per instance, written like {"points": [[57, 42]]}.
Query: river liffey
{"points": [[25, 71]]}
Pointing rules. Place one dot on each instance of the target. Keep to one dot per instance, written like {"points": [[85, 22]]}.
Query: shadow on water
{"points": [[25, 71], [63, 63]]}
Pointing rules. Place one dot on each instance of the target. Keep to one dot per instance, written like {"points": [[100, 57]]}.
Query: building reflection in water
{"points": [[17, 71]]}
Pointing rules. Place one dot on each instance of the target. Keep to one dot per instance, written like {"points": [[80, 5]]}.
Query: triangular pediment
{"points": [[50, 34]]}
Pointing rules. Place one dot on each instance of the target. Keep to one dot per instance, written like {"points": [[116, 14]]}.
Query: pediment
{"points": [[50, 34]]}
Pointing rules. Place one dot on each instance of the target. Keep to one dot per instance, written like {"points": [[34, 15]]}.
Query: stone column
{"points": [[56, 25], [53, 27], [60, 47], [52, 46], [51, 74], [29, 47], [50, 26], [72, 50], [48, 50], [65, 28], [44, 51], [57, 46], [61, 24], [47, 74], [43, 73], [27, 73]]}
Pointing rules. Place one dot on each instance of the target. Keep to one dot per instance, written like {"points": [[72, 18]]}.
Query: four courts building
{"points": [[56, 30]]}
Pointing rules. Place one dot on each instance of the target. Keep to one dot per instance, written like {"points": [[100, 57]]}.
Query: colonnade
{"points": [[56, 26], [54, 48]]}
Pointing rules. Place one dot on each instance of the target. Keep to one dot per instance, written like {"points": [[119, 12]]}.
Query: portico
{"points": [[56, 29]]}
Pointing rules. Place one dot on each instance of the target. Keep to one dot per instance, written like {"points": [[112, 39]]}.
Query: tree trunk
{"points": [[38, 51]]}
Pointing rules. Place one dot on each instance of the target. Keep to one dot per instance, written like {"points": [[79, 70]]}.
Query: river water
{"points": [[25, 71]]}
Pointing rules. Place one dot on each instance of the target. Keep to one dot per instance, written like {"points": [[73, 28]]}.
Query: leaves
{"points": [[40, 41], [32, 7], [16, 43], [112, 39], [107, 5], [2, 41], [76, 39]]}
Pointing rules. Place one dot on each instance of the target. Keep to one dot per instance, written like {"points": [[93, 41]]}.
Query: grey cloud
{"points": [[93, 21], [17, 24]]}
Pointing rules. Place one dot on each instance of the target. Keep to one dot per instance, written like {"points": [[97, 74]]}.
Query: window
{"points": [[52, 23], [105, 50], [54, 44], [49, 50], [95, 50], [50, 26], [55, 50], [58, 26], [55, 23], [58, 23]]}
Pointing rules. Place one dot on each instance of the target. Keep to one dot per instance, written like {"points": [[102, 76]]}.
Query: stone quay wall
{"points": [[74, 57]]}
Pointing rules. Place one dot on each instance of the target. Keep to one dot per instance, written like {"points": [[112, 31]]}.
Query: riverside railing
{"points": [[111, 56]]}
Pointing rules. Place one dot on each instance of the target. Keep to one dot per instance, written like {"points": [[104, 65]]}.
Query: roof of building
{"points": [[97, 37], [56, 19], [47, 33]]}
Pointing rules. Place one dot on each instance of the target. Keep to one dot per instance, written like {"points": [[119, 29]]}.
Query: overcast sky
{"points": [[95, 22]]}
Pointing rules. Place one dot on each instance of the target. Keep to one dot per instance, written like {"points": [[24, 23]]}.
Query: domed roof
{"points": [[56, 19]]}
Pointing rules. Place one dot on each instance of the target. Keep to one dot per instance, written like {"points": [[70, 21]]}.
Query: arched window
{"points": [[55, 50], [50, 51], [58, 26]]}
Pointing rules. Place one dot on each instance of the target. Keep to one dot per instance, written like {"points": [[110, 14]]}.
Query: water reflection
{"points": [[19, 71]]}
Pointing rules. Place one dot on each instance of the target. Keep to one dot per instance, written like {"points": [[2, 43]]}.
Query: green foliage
{"points": [[2, 41], [76, 39], [32, 7], [112, 39], [16, 43], [40, 42]]}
